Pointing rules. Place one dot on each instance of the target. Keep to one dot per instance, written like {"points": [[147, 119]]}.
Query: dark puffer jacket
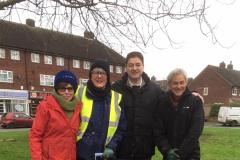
{"points": [[140, 106], [181, 126]]}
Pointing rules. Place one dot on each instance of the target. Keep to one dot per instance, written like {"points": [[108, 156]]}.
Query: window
{"points": [[46, 80], [83, 82], [18, 105], [111, 68], [205, 91], [118, 69], [76, 63], [47, 59], [86, 65], [15, 55], [2, 53], [6, 76], [60, 61], [234, 91], [35, 58]]}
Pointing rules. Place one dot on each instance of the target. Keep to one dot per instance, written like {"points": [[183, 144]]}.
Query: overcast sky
{"points": [[198, 51], [195, 51]]}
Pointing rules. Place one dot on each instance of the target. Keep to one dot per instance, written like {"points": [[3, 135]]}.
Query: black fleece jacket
{"points": [[140, 106], [180, 126]]}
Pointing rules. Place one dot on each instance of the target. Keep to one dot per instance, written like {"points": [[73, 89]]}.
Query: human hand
{"points": [[198, 95], [172, 155], [108, 153]]}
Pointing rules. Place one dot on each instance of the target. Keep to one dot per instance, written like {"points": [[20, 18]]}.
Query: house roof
{"points": [[35, 39], [230, 75]]}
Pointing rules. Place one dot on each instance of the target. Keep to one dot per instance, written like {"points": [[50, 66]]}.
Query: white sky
{"points": [[197, 51]]}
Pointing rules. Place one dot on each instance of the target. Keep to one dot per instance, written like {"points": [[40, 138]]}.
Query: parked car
{"points": [[16, 119], [229, 115]]}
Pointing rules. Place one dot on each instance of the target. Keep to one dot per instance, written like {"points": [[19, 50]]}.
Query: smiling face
{"points": [[178, 85], [99, 78], [134, 69], [65, 90]]}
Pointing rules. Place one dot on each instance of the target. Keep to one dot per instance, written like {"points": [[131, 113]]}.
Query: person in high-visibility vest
{"points": [[102, 120]]}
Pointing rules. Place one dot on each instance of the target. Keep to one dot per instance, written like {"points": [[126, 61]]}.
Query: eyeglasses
{"points": [[102, 73], [63, 89]]}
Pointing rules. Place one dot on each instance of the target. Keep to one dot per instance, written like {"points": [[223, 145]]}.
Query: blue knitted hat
{"points": [[66, 76]]}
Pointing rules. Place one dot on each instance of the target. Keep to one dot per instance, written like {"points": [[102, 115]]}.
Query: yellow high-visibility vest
{"points": [[115, 112]]}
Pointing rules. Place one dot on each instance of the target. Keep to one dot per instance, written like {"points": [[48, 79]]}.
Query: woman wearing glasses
{"points": [[54, 131], [102, 120]]}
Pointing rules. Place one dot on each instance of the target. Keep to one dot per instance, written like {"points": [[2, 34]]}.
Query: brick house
{"points": [[217, 85], [31, 56]]}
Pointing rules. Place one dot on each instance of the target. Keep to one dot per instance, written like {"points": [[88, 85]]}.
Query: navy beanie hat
{"points": [[66, 76], [101, 64]]}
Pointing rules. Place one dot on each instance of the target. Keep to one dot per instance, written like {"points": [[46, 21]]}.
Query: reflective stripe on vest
{"points": [[115, 112]]}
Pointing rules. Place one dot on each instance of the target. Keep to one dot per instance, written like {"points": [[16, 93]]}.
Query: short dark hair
{"points": [[134, 54]]}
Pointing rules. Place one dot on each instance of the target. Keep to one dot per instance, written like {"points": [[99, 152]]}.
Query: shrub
{"points": [[214, 110]]}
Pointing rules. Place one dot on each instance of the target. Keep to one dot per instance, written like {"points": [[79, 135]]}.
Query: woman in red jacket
{"points": [[54, 131]]}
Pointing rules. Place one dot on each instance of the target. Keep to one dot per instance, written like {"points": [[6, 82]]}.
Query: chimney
{"points": [[30, 22], [222, 65], [88, 34], [230, 66]]}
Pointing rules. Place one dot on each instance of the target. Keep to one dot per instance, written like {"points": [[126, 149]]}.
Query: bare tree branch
{"points": [[137, 21]]}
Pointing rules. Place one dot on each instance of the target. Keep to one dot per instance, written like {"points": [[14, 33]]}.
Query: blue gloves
{"points": [[172, 154], [108, 153]]}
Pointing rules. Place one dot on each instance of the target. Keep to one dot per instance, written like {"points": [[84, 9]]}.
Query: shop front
{"points": [[35, 98], [14, 101]]}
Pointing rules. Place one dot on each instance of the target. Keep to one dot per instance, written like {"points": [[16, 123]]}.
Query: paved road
{"points": [[14, 129], [216, 124], [207, 124]]}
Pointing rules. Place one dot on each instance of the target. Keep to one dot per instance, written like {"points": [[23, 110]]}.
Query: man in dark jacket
{"points": [[181, 120], [140, 97]]}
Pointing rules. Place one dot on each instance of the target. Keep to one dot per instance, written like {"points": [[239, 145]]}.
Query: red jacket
{"points": [[53, 135]]}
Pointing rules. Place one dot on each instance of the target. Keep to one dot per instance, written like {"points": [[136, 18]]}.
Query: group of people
{"points": [[125, 120]]}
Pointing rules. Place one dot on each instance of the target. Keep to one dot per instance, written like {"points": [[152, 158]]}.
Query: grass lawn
{"points": [[216, 144]]}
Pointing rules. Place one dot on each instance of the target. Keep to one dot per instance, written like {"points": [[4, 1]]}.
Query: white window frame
{"points": [[47, 59], [111, 68], [234, 91], [15, 55], [46, 80], [35, 58], [205, 91], [83, 82], [76, 63], [2, 53], [8, 74], [86, 65], [59, 61], [119, 69]]}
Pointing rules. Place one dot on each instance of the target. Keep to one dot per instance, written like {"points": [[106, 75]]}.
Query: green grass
{"points": [[216, 144], [14, 145]]}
